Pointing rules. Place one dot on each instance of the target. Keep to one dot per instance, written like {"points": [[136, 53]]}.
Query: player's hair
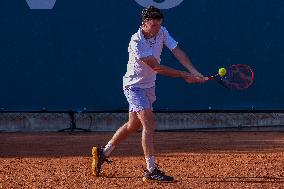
{"points": [[151, 13]]}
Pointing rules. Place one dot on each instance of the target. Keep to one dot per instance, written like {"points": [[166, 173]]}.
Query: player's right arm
{"points": [[165, 70]]}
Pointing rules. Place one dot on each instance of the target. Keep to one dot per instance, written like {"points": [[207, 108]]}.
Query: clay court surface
{"points": [[195, 159]]}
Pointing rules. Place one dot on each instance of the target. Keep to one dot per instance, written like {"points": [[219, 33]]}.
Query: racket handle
{"points": [[211, 77]]}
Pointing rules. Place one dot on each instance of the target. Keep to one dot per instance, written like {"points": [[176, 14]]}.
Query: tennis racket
{"points": [[238, 77]]}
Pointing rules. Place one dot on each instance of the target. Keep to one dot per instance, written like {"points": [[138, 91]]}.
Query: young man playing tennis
{"points": [[144, 49]]}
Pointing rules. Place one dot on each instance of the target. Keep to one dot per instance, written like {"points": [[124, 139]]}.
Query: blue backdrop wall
{"points": [[74, 54]]}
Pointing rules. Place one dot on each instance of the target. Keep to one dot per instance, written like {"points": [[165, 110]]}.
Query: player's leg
{"points": [[148, 122], [123, 132], [153, 173], [100, 154]]}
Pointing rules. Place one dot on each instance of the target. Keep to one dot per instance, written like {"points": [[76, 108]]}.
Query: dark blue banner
{"points": [[62, 55]]}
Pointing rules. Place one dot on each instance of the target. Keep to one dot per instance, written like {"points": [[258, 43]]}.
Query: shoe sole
{"points": [[95, 161], [160, 181]]}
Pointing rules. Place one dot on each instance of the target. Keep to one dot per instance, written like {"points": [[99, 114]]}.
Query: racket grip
{"points": [[211, 78]]}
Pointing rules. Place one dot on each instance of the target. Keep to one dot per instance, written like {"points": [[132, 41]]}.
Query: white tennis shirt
{"points": [[139, 74]]}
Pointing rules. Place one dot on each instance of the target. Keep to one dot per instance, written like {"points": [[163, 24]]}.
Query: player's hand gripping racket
{"points": [[237, 76]]}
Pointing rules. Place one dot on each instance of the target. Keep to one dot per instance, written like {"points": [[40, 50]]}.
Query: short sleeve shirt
{"points": [[139, 74]]}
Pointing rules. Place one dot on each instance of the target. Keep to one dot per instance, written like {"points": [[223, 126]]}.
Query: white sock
{"points": [[151, 164], [108, 149]]}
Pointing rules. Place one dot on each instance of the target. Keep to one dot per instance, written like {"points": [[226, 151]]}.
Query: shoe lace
{"points": [[159, 171], [104, 158], [107, 161]]}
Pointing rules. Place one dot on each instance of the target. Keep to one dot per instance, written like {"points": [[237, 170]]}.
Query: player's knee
{"points": [[149, 125], [132, 127], [148, 129]]}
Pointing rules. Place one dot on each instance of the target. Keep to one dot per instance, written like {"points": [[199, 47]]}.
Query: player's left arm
{"points": [[185, 61]]}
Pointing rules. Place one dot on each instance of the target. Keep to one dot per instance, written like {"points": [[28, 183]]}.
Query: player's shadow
{"points": [[121, 177], [215, 179], [242, 179]]}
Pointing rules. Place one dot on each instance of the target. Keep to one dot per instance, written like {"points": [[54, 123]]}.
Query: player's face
{"points": [[152, 26]]}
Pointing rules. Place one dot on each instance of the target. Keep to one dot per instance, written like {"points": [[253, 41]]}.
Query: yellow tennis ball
{"points": [[222, 72]]}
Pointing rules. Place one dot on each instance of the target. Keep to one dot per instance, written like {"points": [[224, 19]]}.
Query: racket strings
{"points": [[238, 77]]}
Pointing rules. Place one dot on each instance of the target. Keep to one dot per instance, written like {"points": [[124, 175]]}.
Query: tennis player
{"points": [[145, 49]]}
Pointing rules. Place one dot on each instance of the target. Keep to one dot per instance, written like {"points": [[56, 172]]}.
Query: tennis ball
{"points": [[222, 72]]}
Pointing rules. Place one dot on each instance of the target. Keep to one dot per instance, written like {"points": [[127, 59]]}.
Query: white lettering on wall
{"points": [[166, 4], [49, 4], [41, 4]]}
